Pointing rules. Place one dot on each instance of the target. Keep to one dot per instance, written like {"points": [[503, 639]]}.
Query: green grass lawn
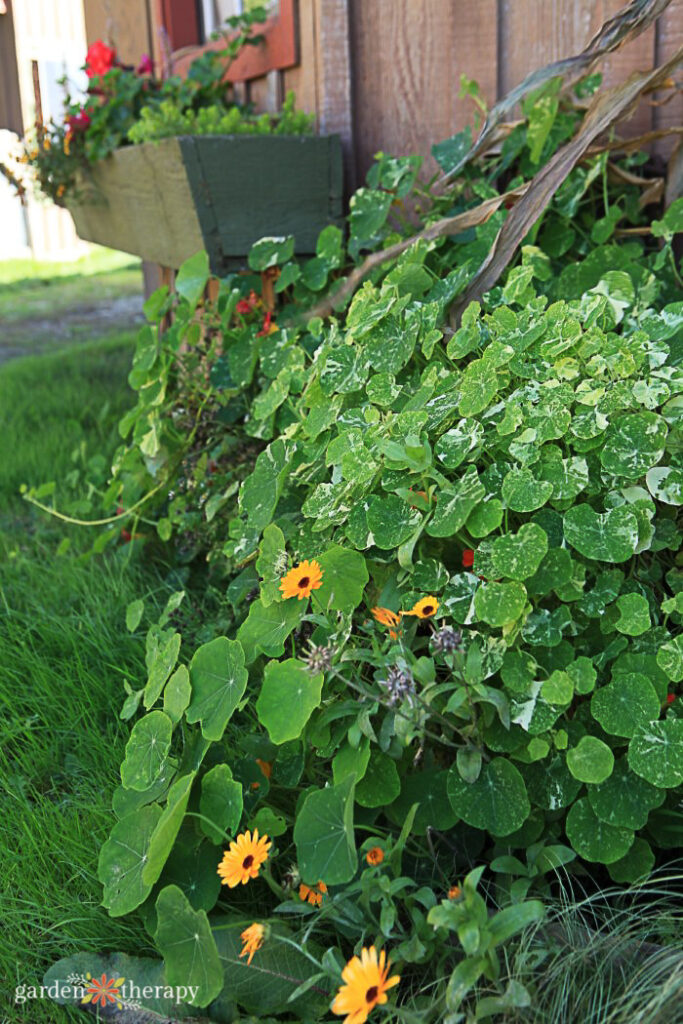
{"points": [[65, 654], [81, 299]]}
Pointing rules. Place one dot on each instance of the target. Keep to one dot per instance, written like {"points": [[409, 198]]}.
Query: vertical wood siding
{"points": [[407, 56]]}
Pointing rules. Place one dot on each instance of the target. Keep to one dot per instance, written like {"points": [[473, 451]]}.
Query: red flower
{"points": [[468, 558], [268, 327], [249, 304], [100, 59], [78, 122], [146, 65], [670, 698]]}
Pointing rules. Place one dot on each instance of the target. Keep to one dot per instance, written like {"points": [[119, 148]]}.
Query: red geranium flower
{"points": [[100, 59], [468, 558], [146, 65], [78, 122]]}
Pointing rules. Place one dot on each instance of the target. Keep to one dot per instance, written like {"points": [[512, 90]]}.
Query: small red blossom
{"points": [[146, 65], [78, 122], [670, 698], [100, 59], [268, 326], [249, 304], [468, 558]]}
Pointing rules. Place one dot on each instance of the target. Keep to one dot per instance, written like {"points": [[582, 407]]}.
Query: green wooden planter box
{"points": [[163, 201]]}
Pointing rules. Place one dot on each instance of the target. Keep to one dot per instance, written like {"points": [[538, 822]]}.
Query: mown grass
{"points": [[50, 404], [64, 655]]}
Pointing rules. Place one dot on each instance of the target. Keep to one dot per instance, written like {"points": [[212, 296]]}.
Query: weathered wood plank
{"points": [[264, 185], [142, 203], [533, 33], [668, 38], [165, 201], [407, 59]]}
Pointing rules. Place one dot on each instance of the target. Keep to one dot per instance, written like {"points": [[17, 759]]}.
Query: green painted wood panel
{"points": [[163, 201]]}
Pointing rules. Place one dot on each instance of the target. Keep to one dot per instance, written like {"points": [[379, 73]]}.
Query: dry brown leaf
{"points": [[609, 106], [625, 25]]}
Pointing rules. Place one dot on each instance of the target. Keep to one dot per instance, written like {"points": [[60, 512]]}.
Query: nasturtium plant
{"points": [[445, 535]]}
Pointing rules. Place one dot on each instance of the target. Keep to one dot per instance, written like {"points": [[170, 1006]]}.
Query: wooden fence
{"points": [[386, 73]]}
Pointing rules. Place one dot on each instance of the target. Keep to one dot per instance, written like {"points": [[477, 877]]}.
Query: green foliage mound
{"points": [[450, 547]]}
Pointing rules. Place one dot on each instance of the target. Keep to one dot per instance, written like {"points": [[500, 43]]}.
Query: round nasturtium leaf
{"points": [[324, 835], [634, 614], [593, 839], [382, 389], [522, 492], [634, 443], [479, 385], [486, 517], [550, 783], [146, 750], [344, 577], [427, 789], [183, 936], [670, 658], [656, 753], [568, 476], [608, 537], [582, 674], [497, 802], [123, 858], [499, 603], [381, 783], [455, 504], [665, 483], [624, 798], [518, 555], [554, 571], [218, 679], [391, 520], [634, 865], [288, 697], [590, 760], [456, 443], [625, 705]]}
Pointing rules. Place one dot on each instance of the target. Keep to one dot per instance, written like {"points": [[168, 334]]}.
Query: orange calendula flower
{"points": [[424, 608], [313, 893], [455, 892], [365, 986], [375, 855], [386, 617], [302, 580], [243, 860], [252, 939]]}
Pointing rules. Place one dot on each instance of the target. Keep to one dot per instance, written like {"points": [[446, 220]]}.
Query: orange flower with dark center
{"points": [[243, 860], [302, 580], [375, 856], [424, 608], [252, 940], [365, 986], [386, 617], [313, 893]]}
